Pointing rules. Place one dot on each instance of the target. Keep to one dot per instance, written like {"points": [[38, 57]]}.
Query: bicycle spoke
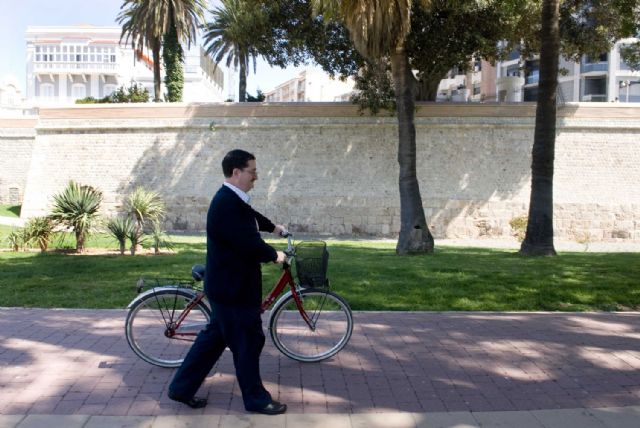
{"points": [[330, 330], [150, 326]]}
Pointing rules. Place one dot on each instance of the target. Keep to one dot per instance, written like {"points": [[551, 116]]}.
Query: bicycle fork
{"points": [[310, 320]]}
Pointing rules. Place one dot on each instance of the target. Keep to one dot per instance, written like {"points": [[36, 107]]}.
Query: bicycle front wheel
{"points": [[150, 327], [330, 330]]}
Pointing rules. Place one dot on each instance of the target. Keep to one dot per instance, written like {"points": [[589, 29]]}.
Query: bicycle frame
{"points": [[175, 325], [286, 279]]}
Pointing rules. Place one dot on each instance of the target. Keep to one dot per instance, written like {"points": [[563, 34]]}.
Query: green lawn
{"points": [[10, 211], [367, 273]]}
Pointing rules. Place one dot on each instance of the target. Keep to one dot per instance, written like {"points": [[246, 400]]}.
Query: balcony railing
{"points": [[67, 66], [594, 98], [596, 66]]}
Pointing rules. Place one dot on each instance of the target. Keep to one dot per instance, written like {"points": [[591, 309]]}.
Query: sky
{"points": [[17, 15]]}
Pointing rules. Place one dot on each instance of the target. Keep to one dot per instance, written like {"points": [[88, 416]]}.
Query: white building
{"points": [[11, 99], [68, 63], [311, 85], [475, 85], [603, 78]]}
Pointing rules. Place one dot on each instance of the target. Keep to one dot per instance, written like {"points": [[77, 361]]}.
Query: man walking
{"points": [[233, 285]]}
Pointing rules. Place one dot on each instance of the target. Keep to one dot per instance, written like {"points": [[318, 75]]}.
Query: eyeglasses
{"points": [[253, 172]]}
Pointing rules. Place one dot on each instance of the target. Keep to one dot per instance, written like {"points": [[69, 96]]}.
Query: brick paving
{"points": [[77, 362]]}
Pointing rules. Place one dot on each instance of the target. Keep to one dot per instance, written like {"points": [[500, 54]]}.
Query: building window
{"points": [[513, 70], [595, 88], [532, 72], [514, 54], [588, 59], [109, 89], [78, 90], [531, 94], [47, 90]]}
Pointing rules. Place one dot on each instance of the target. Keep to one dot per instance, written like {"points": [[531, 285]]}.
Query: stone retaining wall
{"points": [[16, 146], [323, 168]]}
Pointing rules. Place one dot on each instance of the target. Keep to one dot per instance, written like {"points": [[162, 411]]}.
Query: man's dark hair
{"points": [[235, 159]]}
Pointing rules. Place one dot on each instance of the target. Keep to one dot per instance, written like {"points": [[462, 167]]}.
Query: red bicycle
{"points": [[308, 323]]}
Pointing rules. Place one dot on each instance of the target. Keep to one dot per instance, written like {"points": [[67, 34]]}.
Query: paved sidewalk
{"points": [[73, 368]]}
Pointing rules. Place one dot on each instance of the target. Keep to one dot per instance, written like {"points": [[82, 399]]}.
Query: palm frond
{"points": [[231, 33], [77, 207], [145, 205], [377, 27]]}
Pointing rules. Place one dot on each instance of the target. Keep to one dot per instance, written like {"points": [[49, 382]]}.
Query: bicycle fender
{"points": [[142, 296], [281, 299]]}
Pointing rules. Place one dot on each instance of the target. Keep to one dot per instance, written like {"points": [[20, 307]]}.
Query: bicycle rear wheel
{"points": [[330, 315], [151, 321]]}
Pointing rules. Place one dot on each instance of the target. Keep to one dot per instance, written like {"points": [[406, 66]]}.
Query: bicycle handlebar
{"points": [[290, 252]]}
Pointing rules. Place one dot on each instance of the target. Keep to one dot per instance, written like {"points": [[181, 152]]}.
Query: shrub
{"points": [[158, 238], [519, 227], [16, 240], [133, 94], [145, 207], [137, 239], [39, 230], [76, 207], [120, 228]]}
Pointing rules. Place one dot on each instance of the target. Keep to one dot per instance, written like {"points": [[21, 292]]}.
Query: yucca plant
{"points": [[120, 228], [145, 207], [39, 230], [76, 207], [15, 239], [137, 239], [158, 238]]}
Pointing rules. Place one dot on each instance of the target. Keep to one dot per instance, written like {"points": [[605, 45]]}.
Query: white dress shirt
{"points": [[243, 195]]}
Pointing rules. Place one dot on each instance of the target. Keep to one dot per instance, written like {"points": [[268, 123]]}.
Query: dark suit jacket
{"points": [[235, 250]]}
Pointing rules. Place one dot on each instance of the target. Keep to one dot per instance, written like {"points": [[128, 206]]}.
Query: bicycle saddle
{"points": [[197, 271]]}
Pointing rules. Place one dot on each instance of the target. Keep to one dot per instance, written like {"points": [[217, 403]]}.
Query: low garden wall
{"points": [[326, 169]]}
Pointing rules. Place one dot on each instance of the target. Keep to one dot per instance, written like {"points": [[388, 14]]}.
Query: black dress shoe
{"points": [[193, 402], [273, 408]]}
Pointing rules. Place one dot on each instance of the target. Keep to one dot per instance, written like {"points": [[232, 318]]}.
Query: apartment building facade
{"points": [[602, 78], [69, 63], [311, 85]]}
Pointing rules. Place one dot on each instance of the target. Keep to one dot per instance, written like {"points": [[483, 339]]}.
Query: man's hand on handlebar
{"points": [[280, 230], [281, 257]]}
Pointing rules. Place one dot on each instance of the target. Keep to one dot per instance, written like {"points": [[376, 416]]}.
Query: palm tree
{"points": [[538, 239], [77, 207], [145, 22], [120, 228], [145, 207], [379, 30], [232, 34]]}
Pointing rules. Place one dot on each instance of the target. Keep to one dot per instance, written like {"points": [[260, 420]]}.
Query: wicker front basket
{"points": [[312, 260]]}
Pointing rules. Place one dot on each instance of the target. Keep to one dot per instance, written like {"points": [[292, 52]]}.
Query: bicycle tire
{"points": [[148, 320], [295, 339]]}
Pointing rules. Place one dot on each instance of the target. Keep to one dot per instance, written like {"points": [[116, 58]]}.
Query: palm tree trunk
{"points": [[242, 85], [172, 57], [157, 79], [538, 239], [79, 241], [414, 232]]}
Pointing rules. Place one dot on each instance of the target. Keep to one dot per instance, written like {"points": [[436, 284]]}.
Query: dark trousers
{"points": [[239, 328]]}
